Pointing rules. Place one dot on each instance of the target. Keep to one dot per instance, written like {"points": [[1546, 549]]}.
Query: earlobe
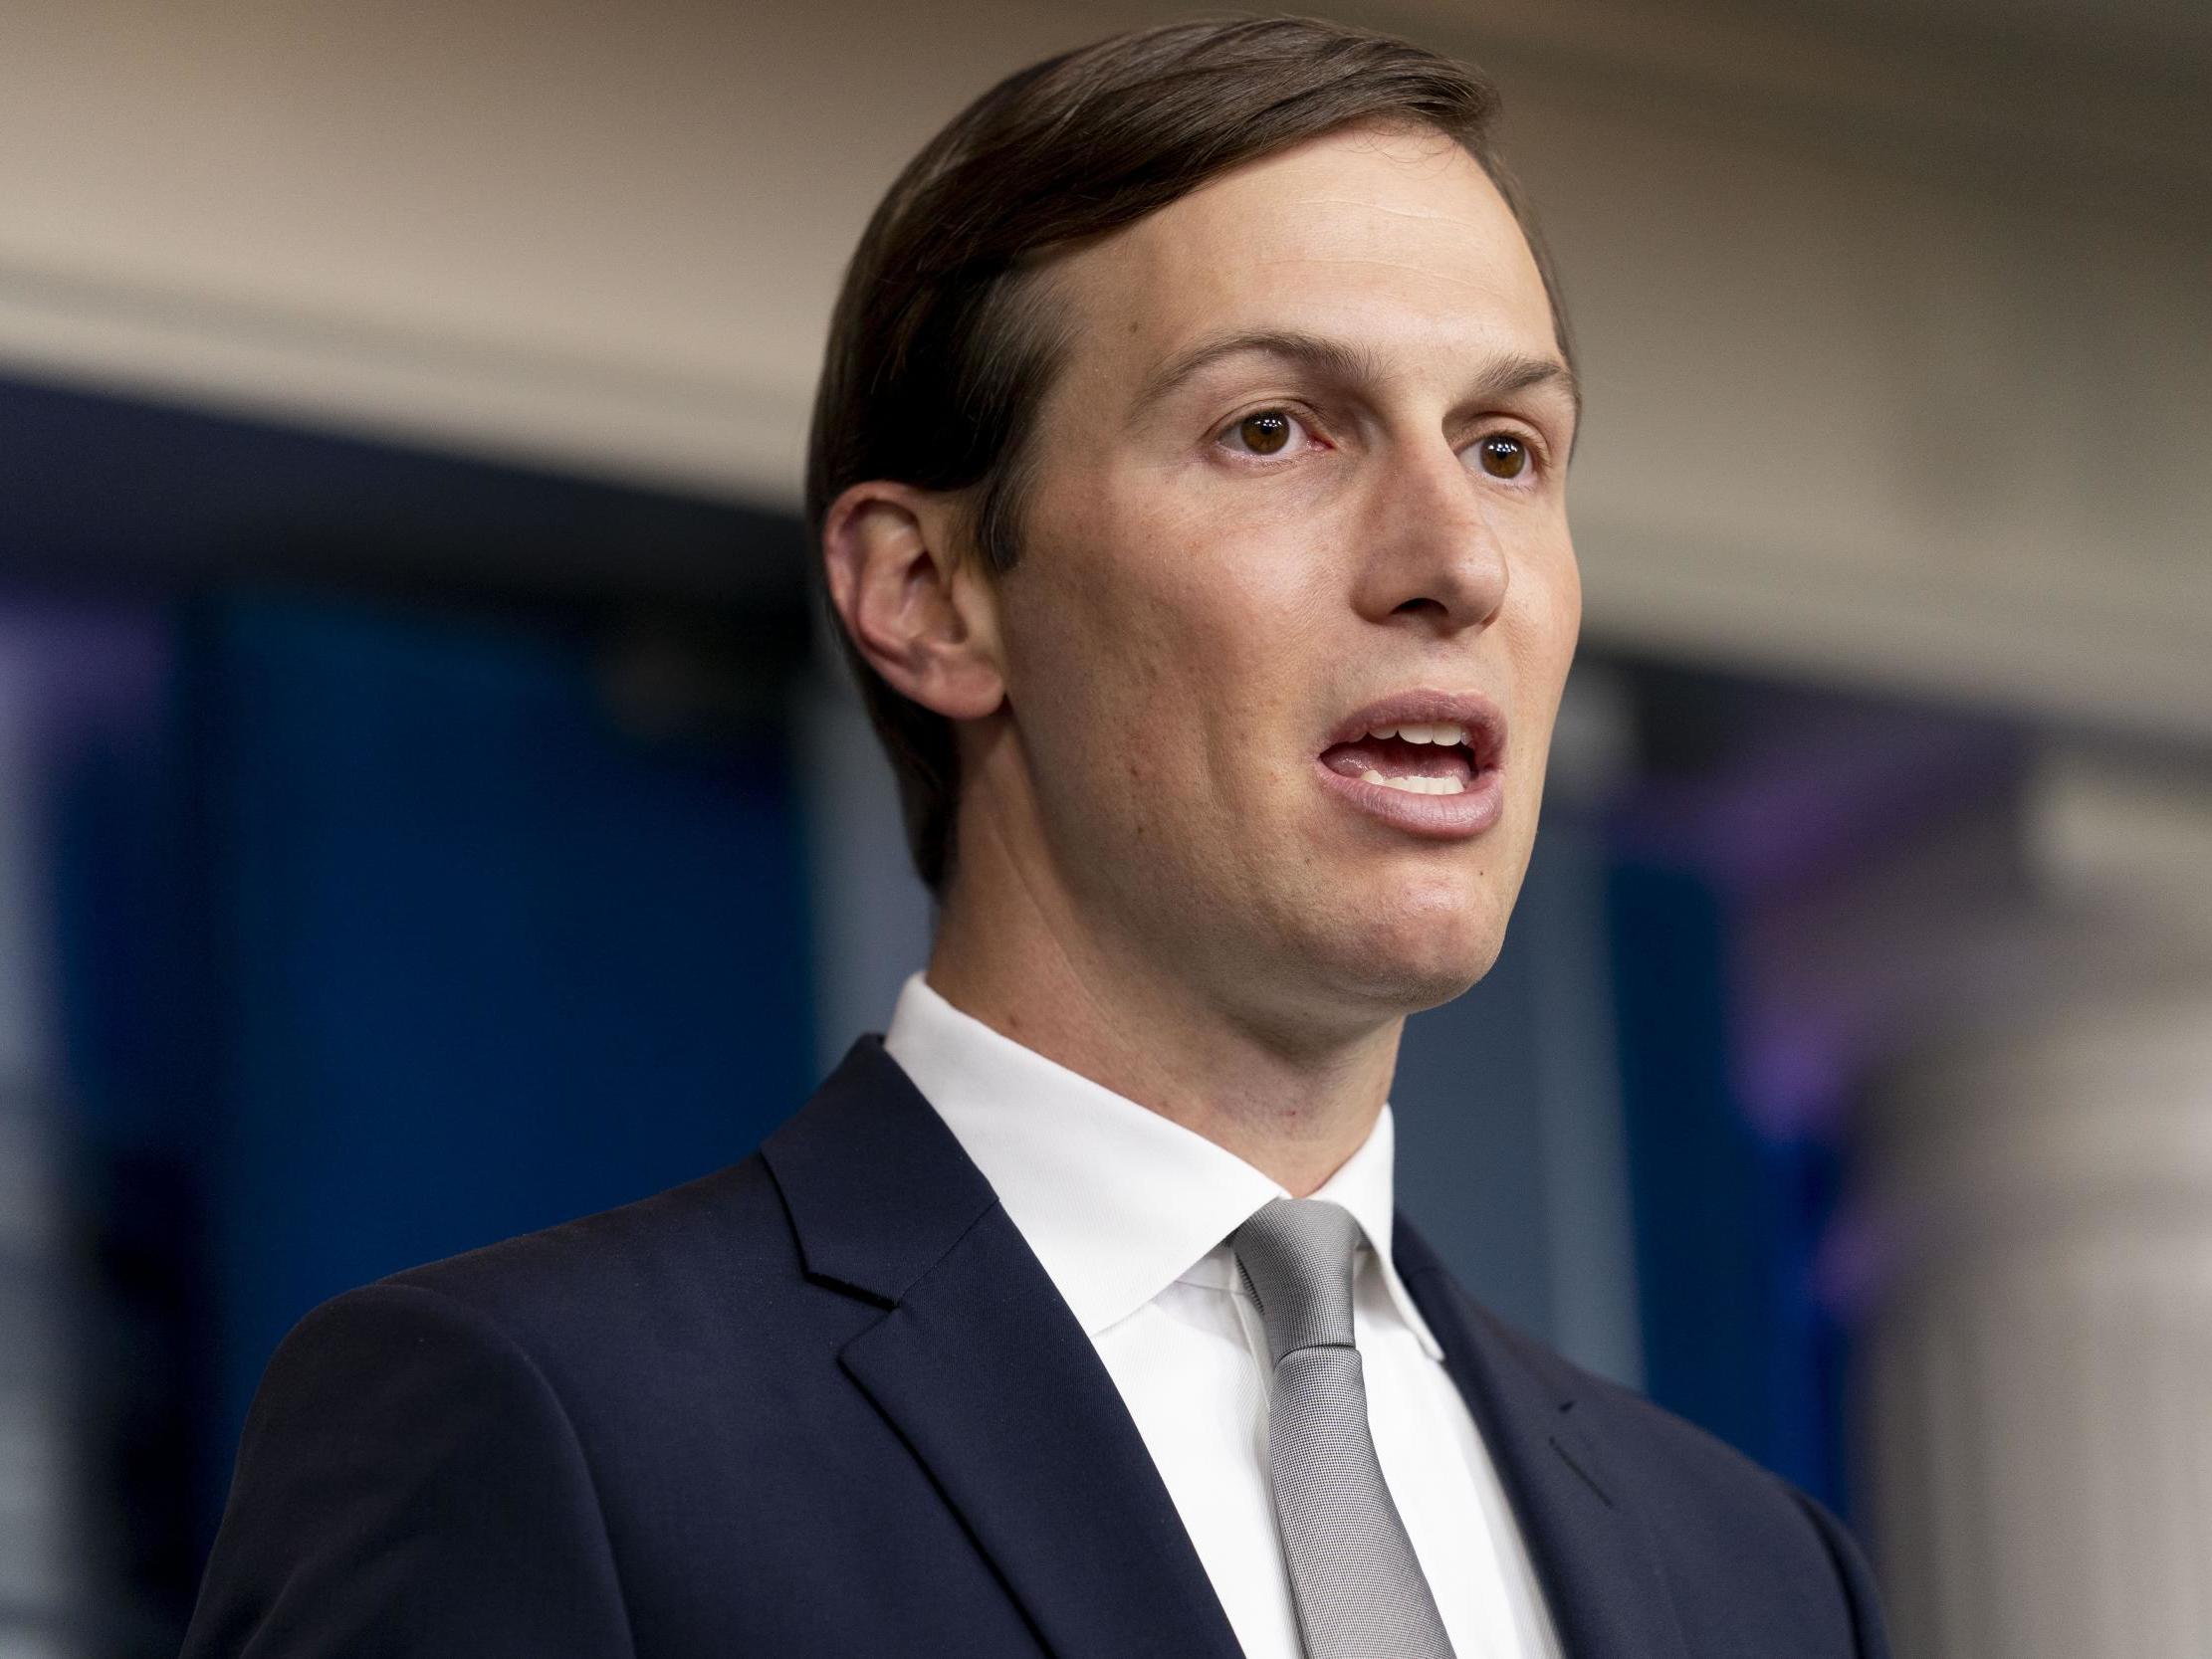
{"points": [[910, 601]]}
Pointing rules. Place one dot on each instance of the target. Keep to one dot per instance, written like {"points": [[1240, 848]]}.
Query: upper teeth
{"points": [[1441, 732]]}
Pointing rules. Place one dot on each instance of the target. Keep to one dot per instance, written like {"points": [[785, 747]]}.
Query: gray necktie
{"points": [[1353, 1572]]}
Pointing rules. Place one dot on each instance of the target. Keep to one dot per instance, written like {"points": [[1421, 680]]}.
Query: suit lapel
{"points": [[986, 1374], [1601, 1574]]}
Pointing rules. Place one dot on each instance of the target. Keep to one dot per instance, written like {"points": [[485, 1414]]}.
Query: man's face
{"points": [[1306, 458]]}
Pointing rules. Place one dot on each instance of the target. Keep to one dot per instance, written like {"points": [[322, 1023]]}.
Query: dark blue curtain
{"points": [[481, 960], [1728, 1219]]}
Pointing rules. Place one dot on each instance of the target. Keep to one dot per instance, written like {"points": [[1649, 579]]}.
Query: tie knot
{"points": [[1296, 1257]]}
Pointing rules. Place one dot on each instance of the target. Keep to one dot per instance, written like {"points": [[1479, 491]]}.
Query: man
{"points": [[1189, 469]]}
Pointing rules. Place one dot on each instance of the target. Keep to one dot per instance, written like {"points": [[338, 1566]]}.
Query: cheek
{"points": [[1168, 632], [1540, 640], [1546, 625], [1570, 603], [1098, 654]]}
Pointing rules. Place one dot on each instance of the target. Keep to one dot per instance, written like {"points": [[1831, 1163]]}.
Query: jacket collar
{"points": [[877, 1189], [981, 1370]]}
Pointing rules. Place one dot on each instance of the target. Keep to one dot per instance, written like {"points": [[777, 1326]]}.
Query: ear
{"points": [[918, 610]]}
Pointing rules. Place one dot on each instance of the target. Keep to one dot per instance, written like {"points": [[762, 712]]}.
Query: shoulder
{"points": [[408, 1463], [604, 1325], [1739, 1542], [1752, 1563], [637, 1315], [495, 1429], [1649, 1453], [697, 1286], [1645, 1445], [551, 1311], [576, 1352], [706, 1238]]}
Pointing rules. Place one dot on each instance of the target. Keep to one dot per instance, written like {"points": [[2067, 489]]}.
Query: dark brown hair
{"points": [[942, 347]]}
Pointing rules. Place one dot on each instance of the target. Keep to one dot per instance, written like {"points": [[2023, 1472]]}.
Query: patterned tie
{"points": [[1353, 1572]]}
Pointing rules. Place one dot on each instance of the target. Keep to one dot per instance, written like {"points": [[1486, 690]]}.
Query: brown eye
{"points": [[1264, 433], [1503, 456]]}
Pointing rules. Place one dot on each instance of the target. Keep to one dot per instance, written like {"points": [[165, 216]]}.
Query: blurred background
{"points": [[427, 810]]}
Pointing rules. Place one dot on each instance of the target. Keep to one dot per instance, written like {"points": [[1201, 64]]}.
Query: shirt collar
{"points": [[1117, 1202]]}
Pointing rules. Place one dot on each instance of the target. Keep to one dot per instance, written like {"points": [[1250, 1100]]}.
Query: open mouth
{"points": [[1417, 757], [1428, 763]]}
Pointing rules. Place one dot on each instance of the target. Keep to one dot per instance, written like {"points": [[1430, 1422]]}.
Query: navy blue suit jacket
{"points": [[827, 1402]]}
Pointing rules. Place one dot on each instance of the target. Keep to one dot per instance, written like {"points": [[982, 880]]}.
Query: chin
{"points": [[1419, 959]]}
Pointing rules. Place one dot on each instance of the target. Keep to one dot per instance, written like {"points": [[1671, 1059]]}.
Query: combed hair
{"points": [[941, 344]]}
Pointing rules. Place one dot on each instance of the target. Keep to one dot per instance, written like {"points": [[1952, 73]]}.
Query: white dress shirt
{"points": [[1130, 1214]]}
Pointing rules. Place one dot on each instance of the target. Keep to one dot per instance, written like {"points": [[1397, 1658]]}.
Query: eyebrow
{"points": [[1334, 359]]}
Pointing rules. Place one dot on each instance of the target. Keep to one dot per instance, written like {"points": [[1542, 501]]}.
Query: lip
{"points": [[1437, 818]]}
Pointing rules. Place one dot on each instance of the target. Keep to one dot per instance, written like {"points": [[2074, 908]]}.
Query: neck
{"points": [[1291, 1105]]}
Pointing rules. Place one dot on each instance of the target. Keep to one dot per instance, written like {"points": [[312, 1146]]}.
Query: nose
{"points": [[1435, 553]]}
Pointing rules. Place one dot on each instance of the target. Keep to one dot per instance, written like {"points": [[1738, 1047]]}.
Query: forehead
{"points": [[1393, 239]]}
